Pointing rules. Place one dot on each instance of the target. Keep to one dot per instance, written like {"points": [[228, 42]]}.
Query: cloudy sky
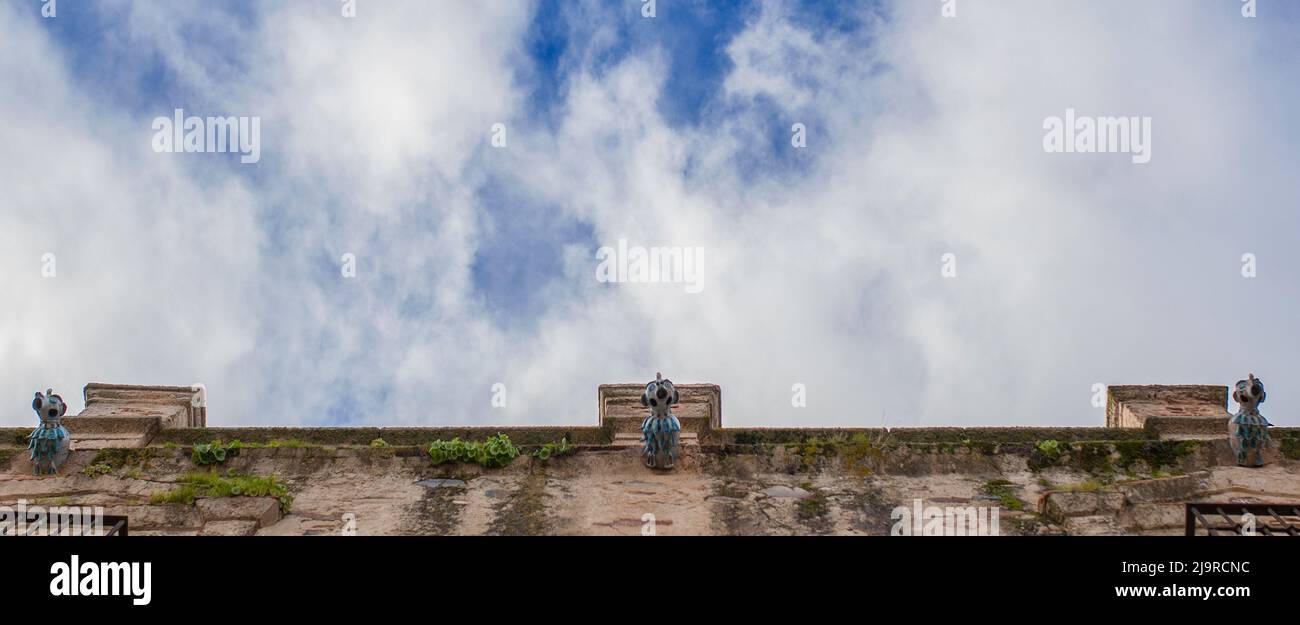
{"points": [[820, 265]]}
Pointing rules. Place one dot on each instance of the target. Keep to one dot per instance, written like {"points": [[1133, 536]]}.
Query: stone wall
{"points": [[806, 484], [134, 455]]}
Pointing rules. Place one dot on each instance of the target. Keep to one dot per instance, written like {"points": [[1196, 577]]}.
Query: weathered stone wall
{"points": [[748, 482], [144, 453]]}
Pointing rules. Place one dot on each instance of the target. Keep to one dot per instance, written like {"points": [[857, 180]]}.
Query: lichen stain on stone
{"points": [[523, 512]]}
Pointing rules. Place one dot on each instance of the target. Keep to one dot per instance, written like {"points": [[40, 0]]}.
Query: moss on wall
{"points": [[15, 436], [987, 441], [7, 453], [1005, 493], [965, 436], [1105, 458], [113, 459], [1289, 439], [523, 513], [415, 436], [814, 509]]}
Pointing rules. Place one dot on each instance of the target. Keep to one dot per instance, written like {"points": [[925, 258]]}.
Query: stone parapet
{"points": [[122, 415], [174, 406], [1190, 410], [620, 407]]}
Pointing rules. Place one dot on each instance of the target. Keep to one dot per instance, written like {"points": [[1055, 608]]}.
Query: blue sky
{"points": [[476, 264]]}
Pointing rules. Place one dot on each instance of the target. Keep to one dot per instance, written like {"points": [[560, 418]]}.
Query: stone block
{"points": [[232, 527], [1129, 406], [1149, 516], [700, 408], [1081, 503], [147, 517], [1180, 488], [174, 406], [262, 510], [102, 431]]}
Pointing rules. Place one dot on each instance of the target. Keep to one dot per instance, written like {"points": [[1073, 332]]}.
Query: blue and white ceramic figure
{"points": [[1248, 430], [49, 442], [661, 431]]}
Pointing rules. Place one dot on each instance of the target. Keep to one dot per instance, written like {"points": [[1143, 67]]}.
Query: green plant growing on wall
{"points": [[861, 450], [1002, 490], [97, 469], [1053, 453], [496, 451], [379, 443], [813, 507], [197, 485], [810, 451], [554, 450], [215, 452]]}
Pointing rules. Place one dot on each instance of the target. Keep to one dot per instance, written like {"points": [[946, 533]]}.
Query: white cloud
{"points": [[822, 266], [148, 256]]}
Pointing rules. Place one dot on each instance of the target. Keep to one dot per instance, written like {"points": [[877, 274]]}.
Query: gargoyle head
{"points": [[48, 406], [660, 395], [1249, 393]]}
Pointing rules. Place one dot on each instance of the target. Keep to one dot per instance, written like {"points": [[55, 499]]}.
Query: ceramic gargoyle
{"points": [[1248, 430], [661, 431], [49, 442]]}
